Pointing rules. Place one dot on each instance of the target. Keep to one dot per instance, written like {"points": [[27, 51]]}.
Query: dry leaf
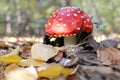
{"points": [[108, 55], [2, 72], [101, 69], [13, 52], [25, 51], [10, 67], [66, 71], [42, 51], [18, 73], [10, 58], [2, 44], [54, 71], [29, 62]]}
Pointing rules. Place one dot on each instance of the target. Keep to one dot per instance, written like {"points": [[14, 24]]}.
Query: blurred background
{"points": [[28, 17]]}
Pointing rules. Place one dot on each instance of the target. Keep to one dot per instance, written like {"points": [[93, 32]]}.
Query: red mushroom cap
{"points": [[67, 21]]}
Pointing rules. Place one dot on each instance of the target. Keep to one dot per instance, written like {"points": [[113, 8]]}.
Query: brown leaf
{"points": [[25, 52], [101, 69], [2, 44], [108, 55], [71, 77]]}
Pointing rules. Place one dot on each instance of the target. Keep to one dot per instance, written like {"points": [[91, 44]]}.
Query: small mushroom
{"points": [[65, 23]]}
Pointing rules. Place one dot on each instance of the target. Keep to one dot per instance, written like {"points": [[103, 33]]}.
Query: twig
{"points": [[78, 40]]}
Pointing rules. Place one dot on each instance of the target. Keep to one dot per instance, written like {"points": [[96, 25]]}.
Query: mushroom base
{"points": [[60, 41]]}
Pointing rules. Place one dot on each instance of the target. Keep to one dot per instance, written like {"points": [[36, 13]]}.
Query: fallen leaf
{"points": [[25, 51], [108, 55], [2, 44], [10, 67], [20, 73], [72, 77], [101, 69], [2, 72], [11, 57], [54, 71], [29, 62], [13, 52], [108, 43], [66, 71], [43, 52]]}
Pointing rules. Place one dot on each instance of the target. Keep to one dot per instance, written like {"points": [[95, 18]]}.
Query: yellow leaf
{"points": [[66, 71], [29, 62], [54, 71], [10, 67], [10, 59], [2, 44]]}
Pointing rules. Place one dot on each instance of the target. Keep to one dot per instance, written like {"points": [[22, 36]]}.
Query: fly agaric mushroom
{"points": [[67, 22]]}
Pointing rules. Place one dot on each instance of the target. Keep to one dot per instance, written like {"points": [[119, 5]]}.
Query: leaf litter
{"points": [[89, 60]]}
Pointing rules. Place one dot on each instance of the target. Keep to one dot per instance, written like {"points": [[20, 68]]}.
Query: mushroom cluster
{"points": [[65, 23]]}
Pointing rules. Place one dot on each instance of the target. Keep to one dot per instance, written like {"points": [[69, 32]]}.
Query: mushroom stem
{"points": [[70, 40]]}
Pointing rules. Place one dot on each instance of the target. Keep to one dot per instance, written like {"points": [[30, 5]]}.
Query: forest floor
{"points": [[90, 60]]}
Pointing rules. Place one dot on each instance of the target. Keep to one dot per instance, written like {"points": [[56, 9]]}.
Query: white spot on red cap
{"points": [[58, 24], [87, 25], [72, 9], [64, 25], [49, 23], [78, 28], [88, 20], [54, 15], [75, 14], [79, 11], [67, 35], [81, 16], [84, 21], [60, 19], [62, 13], [68, 15], [55, 35], [72, 23]]}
